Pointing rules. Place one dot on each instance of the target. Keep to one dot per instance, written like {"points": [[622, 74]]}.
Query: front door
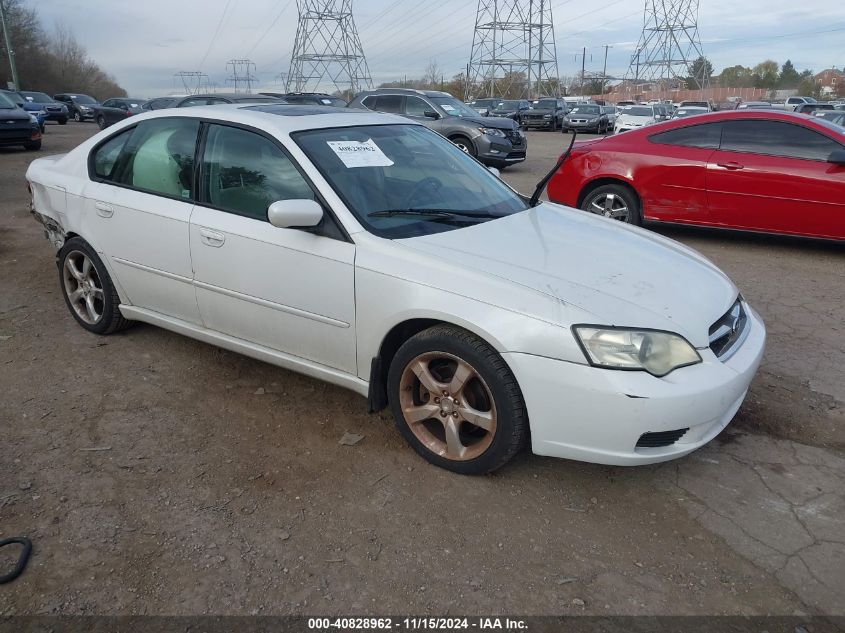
{"points": [[286, 289]]}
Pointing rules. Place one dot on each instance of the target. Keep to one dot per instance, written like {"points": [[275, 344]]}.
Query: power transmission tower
{"points": [[513, 49], [669, 44], [327, 51], [242, 74], [192, 81]]}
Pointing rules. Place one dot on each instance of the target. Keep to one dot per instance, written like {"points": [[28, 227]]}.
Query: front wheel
{"points": [[614, 201], [88, 290], [101, 122], [456, 401], [62, 121], [77, 117], [33, 146], [464, 144]]}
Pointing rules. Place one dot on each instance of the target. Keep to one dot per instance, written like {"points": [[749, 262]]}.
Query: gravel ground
{"points": [[159, 475]]}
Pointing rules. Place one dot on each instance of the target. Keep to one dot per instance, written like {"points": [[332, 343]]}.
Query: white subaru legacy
{"points": [[365, 250]]}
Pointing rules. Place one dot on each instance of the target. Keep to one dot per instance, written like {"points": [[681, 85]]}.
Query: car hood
{"points": [[14, 114], [634, 119], [579, 115], [612, 272], [494, 122]]}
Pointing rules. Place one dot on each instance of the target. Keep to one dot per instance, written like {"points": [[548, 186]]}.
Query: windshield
{"points": [[545, 104], [83, 99], [15, 98], [638, 111], [682, 112], [507, 105], [6, 103], [412, 179], [484, 103], [453, 107], [36, 97], [587, 109]]}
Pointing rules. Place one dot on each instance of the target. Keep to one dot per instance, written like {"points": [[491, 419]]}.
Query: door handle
{"points": [[731, 166], [212, 238], [104, 210]]}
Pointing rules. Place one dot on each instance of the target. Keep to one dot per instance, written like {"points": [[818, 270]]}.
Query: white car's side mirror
{"points": [[286, 214], [494, 171]]}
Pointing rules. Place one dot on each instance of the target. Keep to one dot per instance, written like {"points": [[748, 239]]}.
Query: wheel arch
{"points": [[592, 185]]}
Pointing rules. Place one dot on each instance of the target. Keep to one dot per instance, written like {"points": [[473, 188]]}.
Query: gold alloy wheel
{"points": [[448, 406]]}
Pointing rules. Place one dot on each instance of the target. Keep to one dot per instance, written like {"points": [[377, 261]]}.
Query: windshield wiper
{"points": [[446, 214]]}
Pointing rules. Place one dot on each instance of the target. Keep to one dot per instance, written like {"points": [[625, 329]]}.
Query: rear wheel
{"points": [[613, 201], [62, 121], [456, 401], [88, 290]]}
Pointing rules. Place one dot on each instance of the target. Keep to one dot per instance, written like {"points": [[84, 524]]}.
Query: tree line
{"points": [[50, 62]]}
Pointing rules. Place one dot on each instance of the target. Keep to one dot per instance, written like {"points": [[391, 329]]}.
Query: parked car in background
{"points": [[16, 126], [219, 98], [793, 102], [308, 98], [113, 110], [39, 115], [612, 112], [769, 171], [633, 117], [680, 113], [367, 251], [160, 103], [753, 105], [696, 104], [80, 107], [587, 118], [53, 110], [546, 114], [511, 109], [497, 142], [811, 108], [836, 117], [484, 106]]}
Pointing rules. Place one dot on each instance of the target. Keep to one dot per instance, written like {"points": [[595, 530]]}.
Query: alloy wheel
{"points": [[448, 406], [610, 205], [83, 287]]}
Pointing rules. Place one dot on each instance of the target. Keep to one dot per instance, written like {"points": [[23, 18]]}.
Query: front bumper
{"points": [[496, 151], [598, 415], [590, 126]]}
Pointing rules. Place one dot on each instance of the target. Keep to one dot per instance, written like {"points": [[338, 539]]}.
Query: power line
{"points": [[270, 26], [216, 33]]}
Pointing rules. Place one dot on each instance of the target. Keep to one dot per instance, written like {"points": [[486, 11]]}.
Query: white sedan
{"points": [[368, 251]]}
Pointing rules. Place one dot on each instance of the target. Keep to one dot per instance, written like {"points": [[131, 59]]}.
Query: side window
{"points": [[704, 136], [105, 156], [108, 103], [369, 103], [389, 103], [190, 103], [159, 157], [414, 106], [776, 138], [245, 173]]}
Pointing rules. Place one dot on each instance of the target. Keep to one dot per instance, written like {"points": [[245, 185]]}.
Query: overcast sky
{"points": [[144, 43]]}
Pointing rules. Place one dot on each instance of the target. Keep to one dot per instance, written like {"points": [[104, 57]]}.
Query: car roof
{"points": [[279, 119]]}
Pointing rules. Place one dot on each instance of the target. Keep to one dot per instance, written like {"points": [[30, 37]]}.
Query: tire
{"points": [[554, 125], [33, 146], [487, 392], [62, 121], [101, 122], [77, 117], [609, 200], [464, 144], [88, 290]]}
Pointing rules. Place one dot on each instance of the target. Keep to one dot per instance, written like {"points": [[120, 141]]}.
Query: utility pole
{"points": [[604, 72], [9, 50], [583, 68]]}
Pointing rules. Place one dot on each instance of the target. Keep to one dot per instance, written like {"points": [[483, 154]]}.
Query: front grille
{"points": [[660, 439], [726, 333]]}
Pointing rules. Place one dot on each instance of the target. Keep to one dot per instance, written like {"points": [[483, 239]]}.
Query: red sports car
{"points": [[768, 171]]}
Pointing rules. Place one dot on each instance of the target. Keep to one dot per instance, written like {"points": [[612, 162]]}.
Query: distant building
{"points": [[829, 82]]}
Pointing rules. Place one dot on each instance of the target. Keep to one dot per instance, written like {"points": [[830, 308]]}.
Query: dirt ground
{"points": [[159, 475]]}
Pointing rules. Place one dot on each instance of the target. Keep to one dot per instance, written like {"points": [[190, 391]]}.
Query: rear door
{"points": [[774, 176], [671, 174], [138, 205]]}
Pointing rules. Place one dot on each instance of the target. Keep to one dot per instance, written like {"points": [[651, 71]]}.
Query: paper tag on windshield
{"points": [[360, 153], [447, 107]]}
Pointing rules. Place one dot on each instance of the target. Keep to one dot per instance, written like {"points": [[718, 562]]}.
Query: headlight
{"points": [[547, 116], [33, 118], [85, 108], [42, 112], [658, 353], [491, 131]]}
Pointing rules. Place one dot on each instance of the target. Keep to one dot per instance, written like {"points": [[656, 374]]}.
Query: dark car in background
{"points": [[113, 110], [53, 110], [837, 117], [161, 103], [308, 98], [587, 118], [35, 111], [812, 108], [80, 107], [17, 127], [218, 98], [546, 113], [511, 109], [484, 106], [495, 142]]}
